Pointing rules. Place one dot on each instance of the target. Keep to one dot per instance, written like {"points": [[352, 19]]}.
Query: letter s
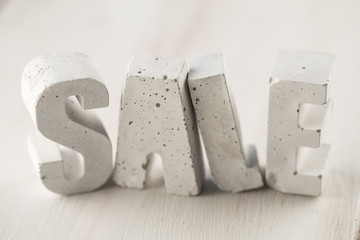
{"points": [[49, 84]]}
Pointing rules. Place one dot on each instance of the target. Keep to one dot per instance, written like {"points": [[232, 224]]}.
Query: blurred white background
{"points": [[248, 32]]}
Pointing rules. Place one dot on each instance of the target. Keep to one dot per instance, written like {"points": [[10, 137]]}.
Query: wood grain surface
{"points": [[249, 33]]}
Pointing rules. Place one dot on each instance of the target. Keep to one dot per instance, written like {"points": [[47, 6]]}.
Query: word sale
{"points": [[164, 108]]}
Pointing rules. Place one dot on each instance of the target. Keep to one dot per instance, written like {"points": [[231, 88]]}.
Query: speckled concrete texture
{"points": [[219, 126], [299, 78], [157, 117]]}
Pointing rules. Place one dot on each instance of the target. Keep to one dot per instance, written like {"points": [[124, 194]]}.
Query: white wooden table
{"points": [[249, 33]]}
